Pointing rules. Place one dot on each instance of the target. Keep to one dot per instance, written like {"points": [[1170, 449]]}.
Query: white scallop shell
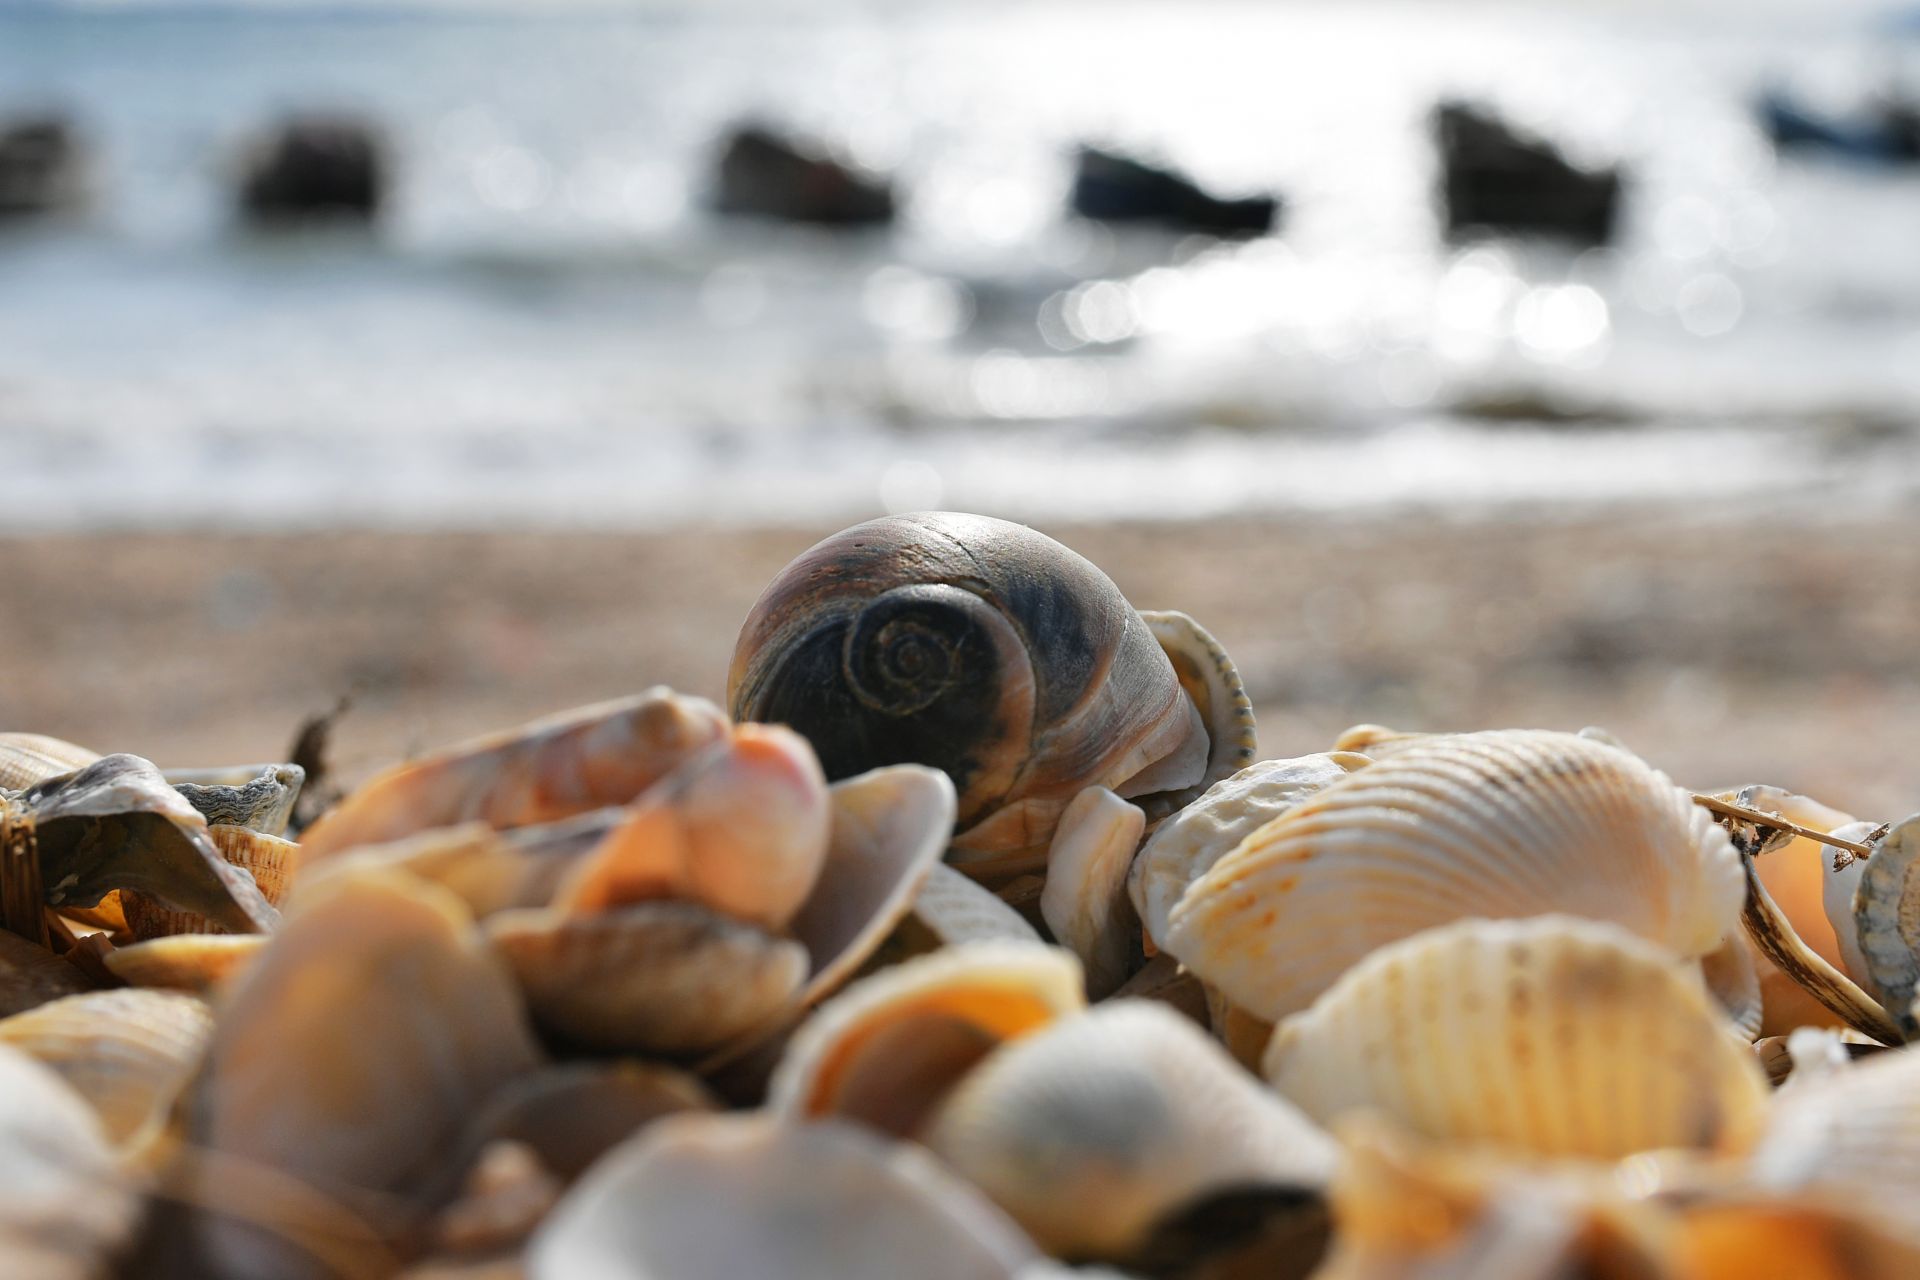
{"points": [[1091, 1131], [128, 1053], [65, 1208], [1192, 840], [715, 1197], [1555, 1036], [1501, 824]]}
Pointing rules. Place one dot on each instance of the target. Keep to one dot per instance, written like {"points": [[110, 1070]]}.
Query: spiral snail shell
{"points": [[997, 655]]}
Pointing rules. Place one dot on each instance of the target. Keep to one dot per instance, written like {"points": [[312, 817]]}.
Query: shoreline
{"points": [[1726, 650]]}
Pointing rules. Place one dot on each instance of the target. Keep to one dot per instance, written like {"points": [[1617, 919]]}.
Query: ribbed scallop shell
{"points": [[655, 977], [27, 758], [1555, 1036], [65, 1208], [1091, 1131], [196, 962], [1502, 824], [270, 860], [887, 1048], [752, 1196], [1192, 840], [128, 1053]]}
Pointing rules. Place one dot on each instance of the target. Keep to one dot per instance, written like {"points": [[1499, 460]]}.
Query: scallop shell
{"points": [[1886, 910], [885, 1050], [656, 977], [1196, 837], [749, 1196], [1084, 901], [65, 1208], [1091, 1131], [195, 962], [128, 1053], [567, 764], [270, 860], [1506, 824], [1555, 1036], [27, 758]]}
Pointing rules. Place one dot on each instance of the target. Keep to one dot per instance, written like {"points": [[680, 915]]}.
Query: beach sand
{"points": [[1727, 650]]}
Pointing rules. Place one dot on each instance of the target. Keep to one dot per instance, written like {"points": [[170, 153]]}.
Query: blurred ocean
{"points": [[549, 328]]}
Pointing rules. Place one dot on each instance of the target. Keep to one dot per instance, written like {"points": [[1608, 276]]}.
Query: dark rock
{"points": [[762, 174], [1115, 188], [1890, 134], [40, 161], [1495, 179], [315, 168]]}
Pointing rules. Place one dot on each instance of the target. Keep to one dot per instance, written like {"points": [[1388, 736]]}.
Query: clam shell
{"points": [[27, 758], [1084, 901], [270, 860], [1090, 1131], [1505, 824], [1555, 1036], [65, 1208], [656, 977], [885, 1050], [128, 1053], [718, 1197], [572, 1114], [1886, 911], [195, 962], [491, 871], [555, 768], [1192, 840]]}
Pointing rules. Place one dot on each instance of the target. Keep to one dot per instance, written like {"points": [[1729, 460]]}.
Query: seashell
{"points": [[1734, 983], [749, 1196], [116, 824], [1162, 979], [554, 768], [196, 962], [655, 977], [271, 861], [27, 758], [1213, 684], [1198, 836], [981, 648], [886, 1050], [1775, 940], [1756, 1236], [506, 1195], [1084, 901], [490, 871], [1091, 1131], [1838, 885], [1506, 824], [570, 1115], [1886, 912], [1555, 1036], [259, 797], [742, 828], [127, 1053], [65, 1208], [30, 976], [356, 1048], [1377, 741], [949, 910]]}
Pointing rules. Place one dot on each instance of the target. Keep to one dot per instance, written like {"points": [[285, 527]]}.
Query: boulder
{"points": [[1114, 188], [315, 168], [40, 163], [1496, 179], [763, 174]]}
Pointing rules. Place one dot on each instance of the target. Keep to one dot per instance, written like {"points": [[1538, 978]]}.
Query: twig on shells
{"points": [[1760, 818]]}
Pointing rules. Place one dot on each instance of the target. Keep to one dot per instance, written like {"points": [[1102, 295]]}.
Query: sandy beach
{"points": [[1727, 650]]}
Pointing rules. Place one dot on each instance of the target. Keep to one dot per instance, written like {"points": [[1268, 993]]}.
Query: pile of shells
{"points": [[972, 939]]}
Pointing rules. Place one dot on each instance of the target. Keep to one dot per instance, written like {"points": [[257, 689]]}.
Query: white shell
{"points": [[64, 1207], [887, 1048], [1886, 912], [1501, 824], [726, 1197], [1084, 900], [1091, 1131], [128, 1053], [1555, 1036], [1192, 840]]}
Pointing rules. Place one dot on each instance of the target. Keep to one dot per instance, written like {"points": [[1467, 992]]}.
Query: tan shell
{"points": [[1733, 980], [27, 758], [128, 1053], [354, 1051], [30, 975], [885, 1050], [751, 1196], [571, 1114], [656, 977], [1090, 1131], [196, 962], [65, 1209], [1886, 910], [490, 870], [1506, 824], [1084, 901], [270, 860], [1192, 840], [554, 768], [1555, 1036]]}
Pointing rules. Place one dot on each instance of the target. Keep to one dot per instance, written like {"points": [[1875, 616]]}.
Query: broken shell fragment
{"points": [[554, 768], [271, 862], [1504, 824], [1084, 900], [65, 1208], [1091, 1131], [258, 797], [717, 1197], [1555, 1036], [128, 1053], [195, 962], [1213, 684]]}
